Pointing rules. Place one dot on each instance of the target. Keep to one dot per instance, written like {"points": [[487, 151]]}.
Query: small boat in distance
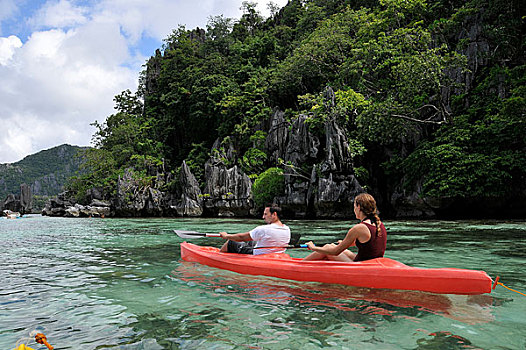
{"points": [[11, 214]]}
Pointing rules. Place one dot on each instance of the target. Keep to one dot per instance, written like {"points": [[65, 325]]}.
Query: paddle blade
{"points": [[195, 234]]}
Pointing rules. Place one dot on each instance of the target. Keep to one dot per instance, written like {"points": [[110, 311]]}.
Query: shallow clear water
{"points": [[120, 283]]}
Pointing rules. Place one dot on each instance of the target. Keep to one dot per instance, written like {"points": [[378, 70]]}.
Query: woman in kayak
{"points": [[369, 236]]}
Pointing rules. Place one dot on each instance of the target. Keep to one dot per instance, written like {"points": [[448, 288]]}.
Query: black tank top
{"points": [[375, 246]]}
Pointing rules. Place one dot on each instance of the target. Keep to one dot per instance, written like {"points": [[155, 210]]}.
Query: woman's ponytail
{"points": [[368, 207]]}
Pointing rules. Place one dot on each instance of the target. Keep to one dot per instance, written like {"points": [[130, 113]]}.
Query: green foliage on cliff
{"points": [[122, 141], [483, 153], [397, 68], [268, 185]]}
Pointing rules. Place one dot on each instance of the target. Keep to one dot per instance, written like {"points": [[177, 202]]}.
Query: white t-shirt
{"points": [[271, 235]]}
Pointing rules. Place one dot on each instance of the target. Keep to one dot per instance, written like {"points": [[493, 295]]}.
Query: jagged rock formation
{"points": [[327, 191], [228, 190], [136, 199], [319, 180], [190, 200], [22, 203]]}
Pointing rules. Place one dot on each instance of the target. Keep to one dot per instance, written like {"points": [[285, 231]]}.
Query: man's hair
{"points": [[274, 208]]}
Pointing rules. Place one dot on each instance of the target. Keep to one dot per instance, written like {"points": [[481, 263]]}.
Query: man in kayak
{"points": [[274, 234], [369, 236]]}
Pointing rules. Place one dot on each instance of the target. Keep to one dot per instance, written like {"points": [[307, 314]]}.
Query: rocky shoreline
{"points": [[324, 193]]}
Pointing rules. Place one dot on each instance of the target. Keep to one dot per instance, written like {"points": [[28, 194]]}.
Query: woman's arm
{"points": [[357, 231]]}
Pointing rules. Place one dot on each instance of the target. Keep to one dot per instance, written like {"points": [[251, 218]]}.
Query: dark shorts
{"points": [[241, 247]]}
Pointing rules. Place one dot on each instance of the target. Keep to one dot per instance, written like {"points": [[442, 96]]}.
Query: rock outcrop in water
{"points": [[21, 203], [135, 198], [326, 191], [65, 205]]}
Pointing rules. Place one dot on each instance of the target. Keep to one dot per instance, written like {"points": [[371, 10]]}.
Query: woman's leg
{"points": [[315, 256], [346, 256]]}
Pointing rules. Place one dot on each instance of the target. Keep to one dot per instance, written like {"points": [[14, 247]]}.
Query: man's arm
{"points": [[238, 237]]}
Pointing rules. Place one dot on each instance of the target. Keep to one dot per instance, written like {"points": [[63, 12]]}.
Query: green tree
{"points": [[268, 185], [483, 153]]}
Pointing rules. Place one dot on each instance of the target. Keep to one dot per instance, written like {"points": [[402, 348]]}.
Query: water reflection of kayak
{"points": [[471, 309], [382, 273]]}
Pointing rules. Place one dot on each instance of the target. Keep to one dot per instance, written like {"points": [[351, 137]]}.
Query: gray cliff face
{"points": [[337, 156], [227, 191], [190, 201], [410, 204], [476, 49], [334, 196], [297, 147], [41, 186], [328, 190], [136, 199], [153, 71], [291, 143]]}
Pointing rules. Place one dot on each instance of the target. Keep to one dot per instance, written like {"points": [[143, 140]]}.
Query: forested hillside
{"points": [[46, 172], [427, 99]]}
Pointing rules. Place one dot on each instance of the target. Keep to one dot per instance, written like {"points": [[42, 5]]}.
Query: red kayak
{"points": [[376, 273]]}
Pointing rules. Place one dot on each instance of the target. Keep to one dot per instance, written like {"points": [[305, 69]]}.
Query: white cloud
{"points": [[23, 132], [155, 18], [57, 84], [7, 48], [62, 75], [158, 18], [58, 14]]}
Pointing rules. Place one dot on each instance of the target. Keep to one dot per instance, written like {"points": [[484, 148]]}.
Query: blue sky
{"points": [[63, 61]]}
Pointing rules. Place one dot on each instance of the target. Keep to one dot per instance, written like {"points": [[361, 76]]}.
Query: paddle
{"points": [[289, 246], [195, 234]]}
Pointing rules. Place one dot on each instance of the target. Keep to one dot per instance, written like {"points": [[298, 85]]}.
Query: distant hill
{"points": [[46, 171]]}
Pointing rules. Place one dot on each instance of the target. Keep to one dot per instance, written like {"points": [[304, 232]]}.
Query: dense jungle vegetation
{"points": [[431, 94]]}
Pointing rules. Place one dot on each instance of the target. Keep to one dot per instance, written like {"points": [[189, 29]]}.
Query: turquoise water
{"points": [[120, 283]]}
